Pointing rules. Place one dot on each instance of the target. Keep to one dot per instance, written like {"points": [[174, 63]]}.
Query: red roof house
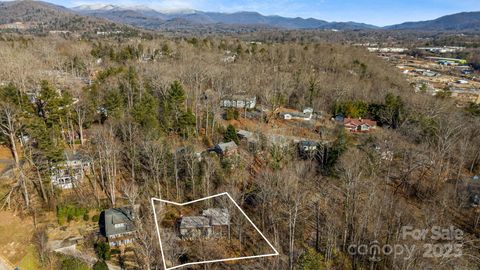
{"points": [[359, 125]]}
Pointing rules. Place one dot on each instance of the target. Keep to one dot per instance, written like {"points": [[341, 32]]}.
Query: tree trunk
{"points": [[80, 130], [14, 150], [176, 175], [42, 188], [25, 189]]}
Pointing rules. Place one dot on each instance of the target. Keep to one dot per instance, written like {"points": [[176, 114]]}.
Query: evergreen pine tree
{"points": [[231, 134]]}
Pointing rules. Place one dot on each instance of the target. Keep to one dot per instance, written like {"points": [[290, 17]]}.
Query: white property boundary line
{"points": [[211, 261]]}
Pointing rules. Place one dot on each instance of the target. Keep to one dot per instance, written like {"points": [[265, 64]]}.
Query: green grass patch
{"points": [[31, 261]]}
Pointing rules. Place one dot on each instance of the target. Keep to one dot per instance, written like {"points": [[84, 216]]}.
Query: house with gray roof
{"points": [[194, 227], [118, 226], [226, 149], [252, 140], [213, 223], [244, 134], [218, 216]]}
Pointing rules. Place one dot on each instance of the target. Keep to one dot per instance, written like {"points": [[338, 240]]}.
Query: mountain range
{"points": [[465, 21], [137, 15], [45, 16], [142, 16], [56, 17]]}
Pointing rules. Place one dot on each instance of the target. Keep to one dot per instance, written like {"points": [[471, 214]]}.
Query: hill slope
{"points": [[464, 21], [41, 16]]}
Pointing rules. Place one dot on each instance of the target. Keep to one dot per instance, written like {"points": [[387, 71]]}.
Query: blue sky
{"points": [[378, 12]]}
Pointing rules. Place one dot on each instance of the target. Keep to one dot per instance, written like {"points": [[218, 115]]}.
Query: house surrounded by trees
{"points": [[226, 149], [213, 223], [118, 226], [239, 102], [359, 125], [68, 174], [306, 115]]}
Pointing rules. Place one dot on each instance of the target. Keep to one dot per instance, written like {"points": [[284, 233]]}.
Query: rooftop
{"points": [[226, 146], [194, 222], [239, 97], [359, 121], [308, 143], [209, 217], [244, 134], [297, 114], [119, 221], [219, 216], [71, 156]]}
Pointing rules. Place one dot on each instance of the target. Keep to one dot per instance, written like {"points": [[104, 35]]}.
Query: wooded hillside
{"points": [[142, 111]]}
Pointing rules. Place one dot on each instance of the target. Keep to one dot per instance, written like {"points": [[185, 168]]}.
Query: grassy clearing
{"points": [[31, 260], [15, 236]]}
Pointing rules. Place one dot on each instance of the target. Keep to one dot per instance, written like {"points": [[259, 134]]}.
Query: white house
{"points": [[306, 115], [68, 174], [239, 102]]}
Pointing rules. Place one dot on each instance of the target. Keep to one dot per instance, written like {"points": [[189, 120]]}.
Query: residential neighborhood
{"points": [[239, 135]]}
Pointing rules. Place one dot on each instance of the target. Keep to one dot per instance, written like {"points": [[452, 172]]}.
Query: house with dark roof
{"points": [[339, 118], [118, 226], [307, 148], [252, 140], [213, 223]]}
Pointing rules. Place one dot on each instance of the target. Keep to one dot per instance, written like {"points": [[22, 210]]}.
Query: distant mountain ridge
{"points": [[47, 16], [456, 22], [150, 18], [42, 16]]}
